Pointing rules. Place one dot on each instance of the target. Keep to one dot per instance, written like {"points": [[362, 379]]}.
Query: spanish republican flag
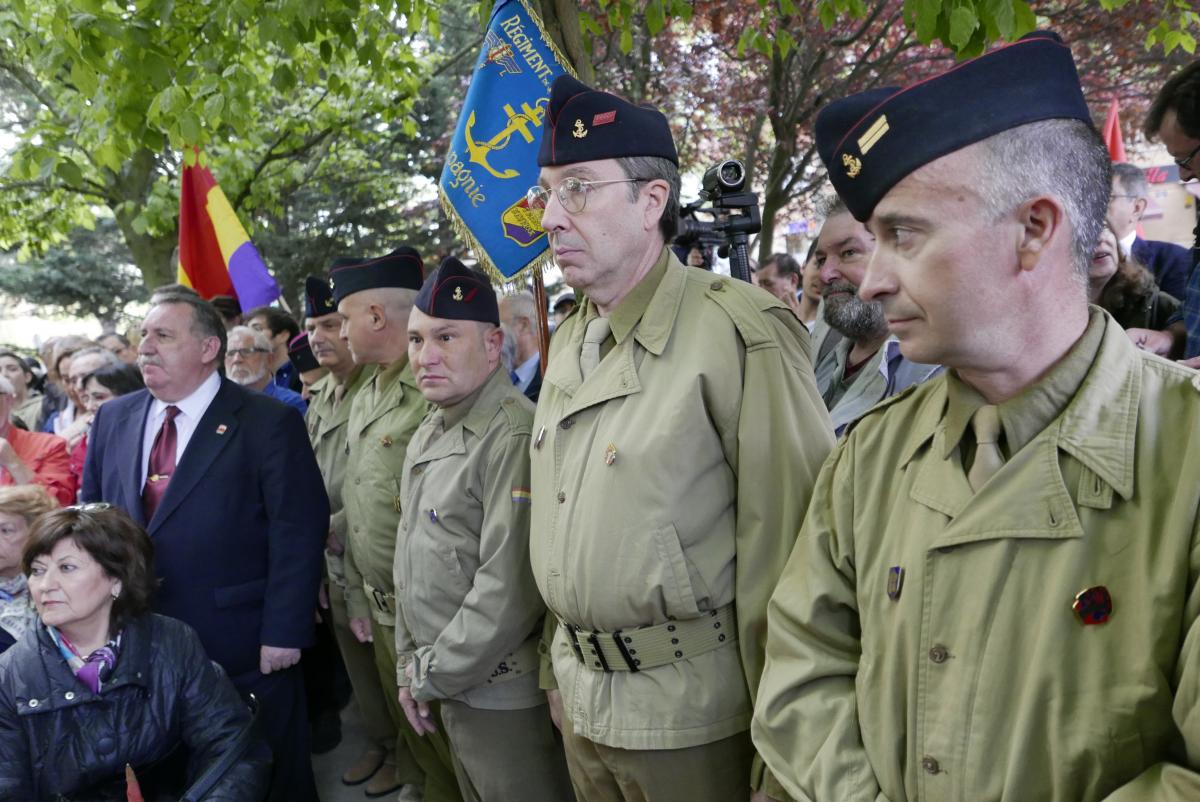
{"points": [[216, 257]]}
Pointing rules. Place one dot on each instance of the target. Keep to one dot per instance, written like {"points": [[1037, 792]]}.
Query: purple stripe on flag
{"points": [[253, 284]]}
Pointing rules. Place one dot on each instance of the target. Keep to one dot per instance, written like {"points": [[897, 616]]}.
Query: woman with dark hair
{"points": [[20, 505], [101, 385], [27, 403], [100, 682], [1125, 289]]}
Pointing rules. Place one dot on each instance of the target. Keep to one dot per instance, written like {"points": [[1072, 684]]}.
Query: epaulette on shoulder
{"points": [[744, 307], [882, 405], [519, 417]]}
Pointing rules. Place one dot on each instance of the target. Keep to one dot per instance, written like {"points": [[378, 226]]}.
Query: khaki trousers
{"points": [[506, 755], [431, 751], [364, 679], [715, 772]]}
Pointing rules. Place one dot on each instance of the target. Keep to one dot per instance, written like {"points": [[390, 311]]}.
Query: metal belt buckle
{"points": [[380, 600], [571, 633]]}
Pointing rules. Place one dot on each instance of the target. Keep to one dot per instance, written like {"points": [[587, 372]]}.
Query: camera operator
{"points": [[677, 438]]}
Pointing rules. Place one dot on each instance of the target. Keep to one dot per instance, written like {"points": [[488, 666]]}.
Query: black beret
{"points": [[587, 124], [564, 299], [227, 305], [870, 141], [301, 353], [456, 292], [401, 268], [318, 297]]}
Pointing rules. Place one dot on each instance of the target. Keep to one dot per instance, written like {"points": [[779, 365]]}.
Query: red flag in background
{"points": [[1112, 133]]}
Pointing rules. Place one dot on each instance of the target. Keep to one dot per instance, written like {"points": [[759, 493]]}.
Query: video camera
{"points": [[734, 216]]}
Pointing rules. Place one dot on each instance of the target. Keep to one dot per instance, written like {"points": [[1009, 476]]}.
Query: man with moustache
{"points": [[248, 362], [374, 298], [469, 611], [995, 592], [677, 435], [328, 423], [866, 365], [224, 480]]}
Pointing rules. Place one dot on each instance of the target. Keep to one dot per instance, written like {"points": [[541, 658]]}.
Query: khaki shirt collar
{"points": [[1098, 424], [1034, 408], [397, 371], [476, 411], [633, 307]]}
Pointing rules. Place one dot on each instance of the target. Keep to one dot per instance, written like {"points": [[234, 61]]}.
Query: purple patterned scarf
{"points": [[93, 670]]}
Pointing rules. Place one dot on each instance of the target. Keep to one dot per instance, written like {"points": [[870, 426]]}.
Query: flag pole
{"points": [[539, 292]]}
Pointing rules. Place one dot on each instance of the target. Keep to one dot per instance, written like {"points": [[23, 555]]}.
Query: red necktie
{"points": [[162, 464]]}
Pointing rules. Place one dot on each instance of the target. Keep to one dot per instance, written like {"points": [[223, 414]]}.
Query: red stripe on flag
{"points": [[199, 252]]}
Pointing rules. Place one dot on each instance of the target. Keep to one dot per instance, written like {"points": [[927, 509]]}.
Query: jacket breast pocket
{"points": [[252, 592]]}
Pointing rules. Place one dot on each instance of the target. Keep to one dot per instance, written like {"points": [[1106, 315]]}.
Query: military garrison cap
{"points": [[870, 141], [401, 268], [300, 352], [456, 292], [318, 297], [587, 124]]}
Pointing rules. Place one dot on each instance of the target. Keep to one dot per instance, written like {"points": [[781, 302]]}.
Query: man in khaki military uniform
{"points": [[994, 595], [374, 298], [469, 611], [327, 419], [677, 437]]}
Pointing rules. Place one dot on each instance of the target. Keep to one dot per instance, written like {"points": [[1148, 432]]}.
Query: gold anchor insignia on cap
{"points": [[853, 165], [579, 132], [457, 294], [610, 454]]}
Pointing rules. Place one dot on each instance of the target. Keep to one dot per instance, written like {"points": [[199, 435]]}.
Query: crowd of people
{"points": [[916, 518]]}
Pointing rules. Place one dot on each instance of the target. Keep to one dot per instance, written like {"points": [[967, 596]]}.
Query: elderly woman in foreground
{"points": [[99, 683], [19, 507]]}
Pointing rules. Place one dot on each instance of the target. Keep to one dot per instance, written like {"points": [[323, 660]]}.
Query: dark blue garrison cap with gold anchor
{"points": [[871, 140]]}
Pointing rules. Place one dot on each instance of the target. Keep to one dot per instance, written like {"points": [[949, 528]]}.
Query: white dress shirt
{"points": [[1127, 243], [191, 410]]}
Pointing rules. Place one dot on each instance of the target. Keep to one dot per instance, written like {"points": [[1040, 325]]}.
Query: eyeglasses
{"points": [[572, 193], [1186, 161], [95, 506], [232, 352]]}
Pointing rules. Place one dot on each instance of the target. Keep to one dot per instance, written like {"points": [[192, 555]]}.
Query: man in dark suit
{"points": [[518, 313], [226, 483], [1169, 263]]}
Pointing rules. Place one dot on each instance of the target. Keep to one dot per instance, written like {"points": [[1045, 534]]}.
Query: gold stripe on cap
{"points": [[873, 134]]}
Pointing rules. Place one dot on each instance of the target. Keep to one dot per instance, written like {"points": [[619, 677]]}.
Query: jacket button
{"points": [[930, 765], [69, 695], [567, 423], [106, 745], [417, 471], [717, 285], [939, 654], [561, 497]]}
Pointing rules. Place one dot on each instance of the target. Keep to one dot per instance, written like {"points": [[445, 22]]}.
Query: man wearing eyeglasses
{"points": [[677, 437], [248, 362], [1174, 118]]}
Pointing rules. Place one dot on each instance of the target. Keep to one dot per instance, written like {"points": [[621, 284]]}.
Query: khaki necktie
{"points": [[988, 457], [593, 337]]}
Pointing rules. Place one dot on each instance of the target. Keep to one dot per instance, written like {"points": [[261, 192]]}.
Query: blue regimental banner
{"points": [[493, 157]]}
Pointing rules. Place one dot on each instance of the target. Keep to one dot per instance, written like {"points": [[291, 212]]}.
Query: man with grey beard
{"points": [[866, 366], [248, 362]]}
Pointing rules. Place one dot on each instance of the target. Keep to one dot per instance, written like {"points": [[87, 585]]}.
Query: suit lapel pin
{"points": [[610, 454], [895, 582], [1093, 606], [386, 442], [433, 516], [222, 428]]}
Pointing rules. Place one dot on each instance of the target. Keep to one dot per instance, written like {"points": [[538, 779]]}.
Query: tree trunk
{"points": [[561, 18], [151, 254]]}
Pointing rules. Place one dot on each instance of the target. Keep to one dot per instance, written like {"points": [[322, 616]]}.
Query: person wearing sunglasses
{"points": [[99, 683], [677, 438]]}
